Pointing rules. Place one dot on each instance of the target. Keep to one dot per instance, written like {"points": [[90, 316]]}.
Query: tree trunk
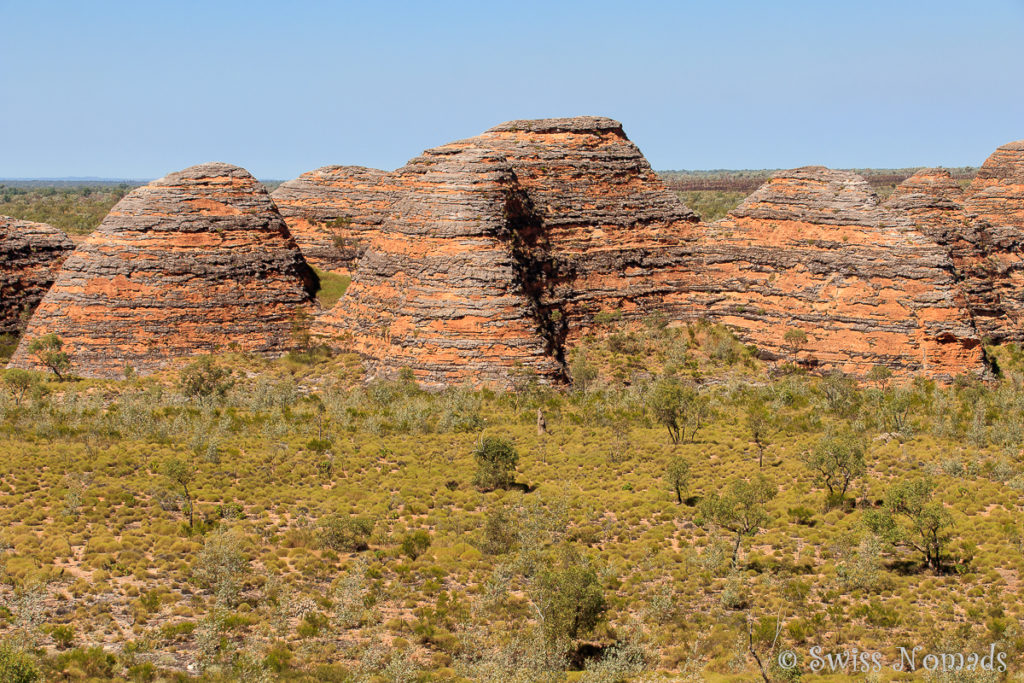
{"points": [[188, 501]]}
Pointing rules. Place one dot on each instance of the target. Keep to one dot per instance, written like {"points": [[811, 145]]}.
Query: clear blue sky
{"points": [[138, 89]]}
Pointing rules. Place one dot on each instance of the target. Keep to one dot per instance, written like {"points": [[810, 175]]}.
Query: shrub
{"points": [[496, 461], [499, 533], [568, 595], [204, 380], [351, 534], [221, 565], [17, 666], [415, 544], [88, 663]]}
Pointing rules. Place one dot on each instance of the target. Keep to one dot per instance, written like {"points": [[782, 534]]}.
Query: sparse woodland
{"points": [[686, 513]]}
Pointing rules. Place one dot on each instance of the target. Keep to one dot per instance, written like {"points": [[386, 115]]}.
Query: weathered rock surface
{"points": [[331, 211], [30, 254], [611, 224], [933, 201], [196, 261], [993, 266], [439, 289], [500, 249], [813, 251]]}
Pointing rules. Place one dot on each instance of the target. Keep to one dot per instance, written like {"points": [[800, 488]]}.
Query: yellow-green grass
{"points": [[332, 287], [88, 519]]}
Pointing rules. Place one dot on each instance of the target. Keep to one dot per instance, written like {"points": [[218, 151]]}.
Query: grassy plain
{"points": [[337, 533]]}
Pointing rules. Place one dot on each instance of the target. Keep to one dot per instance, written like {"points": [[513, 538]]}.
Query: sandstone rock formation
{"points": [[995, 203], [331, 210], [933, 201], [811, 267], [611, 225], [197, 261], [499, 249], [30, 254], [440, 289]]}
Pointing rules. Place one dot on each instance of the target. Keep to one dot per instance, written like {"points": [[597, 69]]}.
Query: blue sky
{"points": [[139, 89]]}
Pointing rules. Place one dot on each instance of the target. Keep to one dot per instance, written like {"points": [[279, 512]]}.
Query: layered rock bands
{"points": [[197, 261]]}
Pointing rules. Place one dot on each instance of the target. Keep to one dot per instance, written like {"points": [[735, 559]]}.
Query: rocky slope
{"points": [[995, 204], [933, 201], [500, 249], [196, 261], [329, 212], [810, 267], [30, 254], [439, 288], [609, 222]]}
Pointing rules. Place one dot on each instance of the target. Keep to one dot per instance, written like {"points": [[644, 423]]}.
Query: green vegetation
{"points": [[75, 209], [711, 205], [246, 519], [496, 461], [48, 350], [332, 287]]}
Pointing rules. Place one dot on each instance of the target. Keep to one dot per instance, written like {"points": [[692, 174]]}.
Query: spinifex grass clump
{"points": [[610, 548]]}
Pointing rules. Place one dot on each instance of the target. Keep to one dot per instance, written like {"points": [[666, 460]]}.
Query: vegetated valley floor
{"points": [[338, 533]]}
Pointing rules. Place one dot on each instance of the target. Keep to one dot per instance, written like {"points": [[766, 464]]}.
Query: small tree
{"points": [[760, 424], [879, 374], [739, 510], [678, 476], [496, 461], [182, 474], [415, 544], [568, 598], [794, 339], [837, 460], [221, 566], [19, 383], [679, 407], [203, 379], [912, 518], [48, 350], [841, 395]]}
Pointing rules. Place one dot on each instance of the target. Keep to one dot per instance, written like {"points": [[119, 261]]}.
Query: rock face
{"points": [[993, 265], [331, 211], [933, 201], [30, 254], [440, 287], [611, 225], [812, 268], [197, 261], [499, 249]]}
